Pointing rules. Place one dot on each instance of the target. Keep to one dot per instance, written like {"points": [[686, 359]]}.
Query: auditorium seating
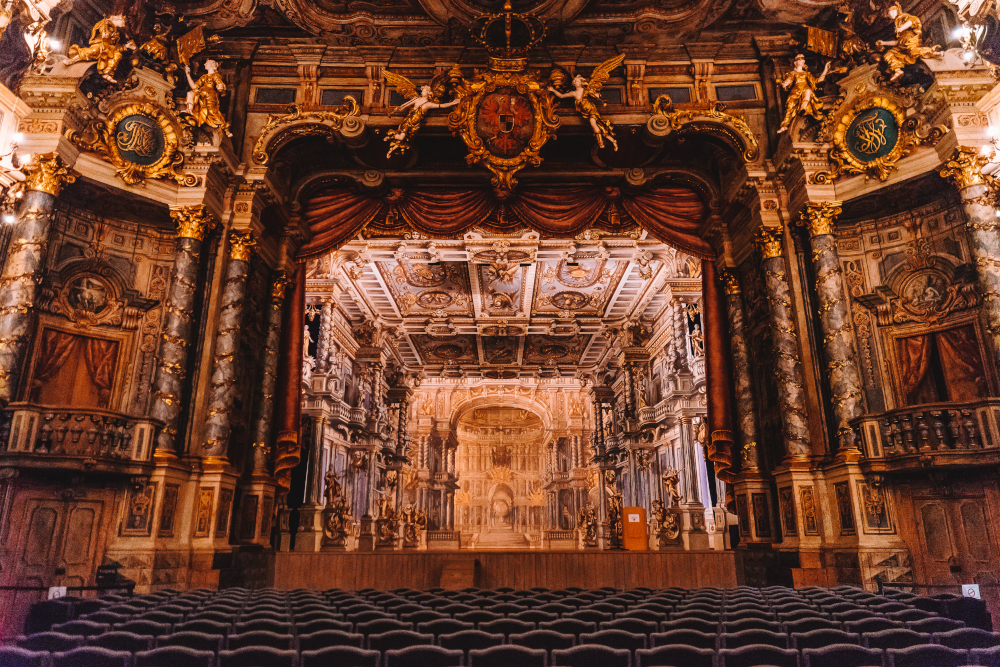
{"points": [[741, 627]]}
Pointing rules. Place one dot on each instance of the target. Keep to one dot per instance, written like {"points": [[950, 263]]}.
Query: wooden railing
{"points": [[92, 433], [930, 429]]}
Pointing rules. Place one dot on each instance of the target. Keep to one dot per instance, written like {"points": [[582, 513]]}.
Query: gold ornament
{"points": [[203, 98], [104, 47], [731, 282], [48, 174], [713, 120], [769, 241], [965, 168], [583, 90], [802, 99], [139, 140], [278, 286], [428, 97], [193, 222], [241, 245], [278, 131], [908, 46], [869, 135], [819, 217]]}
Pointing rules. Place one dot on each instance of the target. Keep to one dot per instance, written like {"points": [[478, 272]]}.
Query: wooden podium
{"points": [[634, 529]]}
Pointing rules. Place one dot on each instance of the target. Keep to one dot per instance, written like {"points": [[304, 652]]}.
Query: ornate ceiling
{"points": [[489, 306], [441, 22]]}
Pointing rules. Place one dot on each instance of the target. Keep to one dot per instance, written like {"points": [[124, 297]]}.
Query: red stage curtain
{"points": [[101, 357], [963, 367], [914, 363], [55, 350], [673, 215]]}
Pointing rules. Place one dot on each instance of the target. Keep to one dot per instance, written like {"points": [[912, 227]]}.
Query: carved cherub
{"points": [[104, 47], [908, 46], [583, 90], [420, 103], [203, 98], [671, 480], [802, 94], [157, 47]]}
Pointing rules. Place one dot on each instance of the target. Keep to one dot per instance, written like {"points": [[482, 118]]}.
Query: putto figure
{"points": [[583, 90], [104, 47], [801, 86], [908, 46], [203, 98], [419, 104]]}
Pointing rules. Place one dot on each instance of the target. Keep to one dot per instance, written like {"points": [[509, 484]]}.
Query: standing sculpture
{"points": [[337, 515], [665, 523], [583, 90], [203, 98], [908, 47], [802, 98], [671, 480], [588, 525], [414, 521], [615, 528]]}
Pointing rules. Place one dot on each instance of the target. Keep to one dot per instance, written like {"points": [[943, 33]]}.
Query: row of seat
{"points": [[837, 655], [963, 638]]}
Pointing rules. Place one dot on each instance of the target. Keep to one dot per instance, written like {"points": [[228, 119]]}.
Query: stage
{"points": [[495, 569]]}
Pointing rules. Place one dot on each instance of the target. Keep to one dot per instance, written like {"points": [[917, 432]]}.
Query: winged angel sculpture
{"points": [[583, 90], [429, 97]]}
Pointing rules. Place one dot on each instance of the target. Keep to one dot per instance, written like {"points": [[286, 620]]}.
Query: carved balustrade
{"points": [[79, 436], [932, 434]]}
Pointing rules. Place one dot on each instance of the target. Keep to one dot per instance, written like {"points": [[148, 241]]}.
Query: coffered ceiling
{"points": [[503, 306]]}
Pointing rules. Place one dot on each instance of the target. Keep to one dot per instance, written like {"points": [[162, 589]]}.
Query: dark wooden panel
{"points": [[517, 569]]}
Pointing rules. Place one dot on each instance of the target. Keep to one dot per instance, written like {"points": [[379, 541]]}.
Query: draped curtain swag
{"points": [[99, 355], [671, 214]]}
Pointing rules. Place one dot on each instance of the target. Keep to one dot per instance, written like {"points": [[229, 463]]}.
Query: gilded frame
{"points": [[844, 162], [462, 122], [99, 138]]}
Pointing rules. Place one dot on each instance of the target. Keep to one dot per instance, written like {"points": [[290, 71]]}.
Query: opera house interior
{"points": [[426, 322]]}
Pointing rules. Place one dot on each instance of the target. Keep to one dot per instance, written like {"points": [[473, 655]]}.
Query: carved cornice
{"points": [[820, 217], [47, 174]]}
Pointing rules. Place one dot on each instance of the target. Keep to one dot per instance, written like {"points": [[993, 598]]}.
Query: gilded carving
{"points": [[193, 222], [419, 102], [588, 525], [870, 139], [965, 167], [581, 94], [311, 122], [820, 217], [140, 140], [241, 245], [48, 174], [908, 46], [802, 98], [104, 47], [712, 119], [769, 241]]}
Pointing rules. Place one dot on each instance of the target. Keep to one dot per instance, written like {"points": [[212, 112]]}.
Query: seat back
{"points": [[258, 656], [674, 655], [592, 655], [505, 656], [423, 656], [174, 656], [341, 656]]}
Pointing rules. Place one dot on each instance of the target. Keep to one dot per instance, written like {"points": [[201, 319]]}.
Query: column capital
{"points": [[47, 173], [770, 242], [965, 167], [193, 222], [731, 282], [241, 245], [278, 286], [820, 216]]}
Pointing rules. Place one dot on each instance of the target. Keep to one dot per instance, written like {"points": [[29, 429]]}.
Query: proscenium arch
{"points": [[500, 401]]}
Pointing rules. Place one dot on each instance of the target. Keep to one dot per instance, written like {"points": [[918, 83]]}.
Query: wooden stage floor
{"points": [[495, 569]]}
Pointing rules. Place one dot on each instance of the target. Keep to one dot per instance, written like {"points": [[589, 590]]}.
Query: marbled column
{"points": [[692, 488], [791, 385], [193, 222], [746, 405], [22, 270], [682, 349], [223, 391], [965, 168], [316, 460], [325, 335], [262, 428], [835, 322]]}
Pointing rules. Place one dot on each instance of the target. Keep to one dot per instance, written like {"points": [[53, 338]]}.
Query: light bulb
{"points": [[54, 45], [8, 218], [968, 56], [18, 136]]}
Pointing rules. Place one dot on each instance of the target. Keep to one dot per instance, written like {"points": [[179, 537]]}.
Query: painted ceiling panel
{"points": [[425, 289]]}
